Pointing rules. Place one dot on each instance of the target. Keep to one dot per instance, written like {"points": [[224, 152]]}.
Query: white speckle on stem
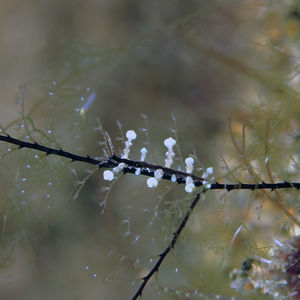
{"points": [[158, 174], [173, 178]]}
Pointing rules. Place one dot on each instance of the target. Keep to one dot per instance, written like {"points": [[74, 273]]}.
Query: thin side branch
{"points": [[163, 255]]}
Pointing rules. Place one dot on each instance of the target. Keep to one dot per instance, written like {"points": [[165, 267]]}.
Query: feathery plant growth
{"points": [[122, 164], [193, 212]]}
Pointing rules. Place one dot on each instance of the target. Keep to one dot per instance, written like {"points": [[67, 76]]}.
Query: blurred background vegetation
{"points": [[186, 65]]}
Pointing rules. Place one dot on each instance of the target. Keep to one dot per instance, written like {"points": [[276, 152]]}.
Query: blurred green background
{"points": [[187, 66]]}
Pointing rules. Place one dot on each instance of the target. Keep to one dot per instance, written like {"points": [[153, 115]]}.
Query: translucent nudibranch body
{"points": [[169, 143], [131, 135], [87, 104]]}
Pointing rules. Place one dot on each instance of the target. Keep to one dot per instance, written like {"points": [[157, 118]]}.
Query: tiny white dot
{"points": [[173, 178]]}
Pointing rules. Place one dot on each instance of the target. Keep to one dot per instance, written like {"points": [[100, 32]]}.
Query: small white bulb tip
{"points": [[108, 175], [169, 142], [131, 135], [189, 188], [189, 161], [144, 150], [152, 182]]}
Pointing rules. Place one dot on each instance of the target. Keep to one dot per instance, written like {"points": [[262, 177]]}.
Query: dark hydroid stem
{"points": [[131, 166], [252, 186], [47, 150], [163, 255]]}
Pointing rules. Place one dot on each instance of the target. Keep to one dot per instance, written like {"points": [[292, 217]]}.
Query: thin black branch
{"points": [[131, 166], [47, 150], [163, 255]]}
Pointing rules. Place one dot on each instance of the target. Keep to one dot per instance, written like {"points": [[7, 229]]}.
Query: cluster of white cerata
{"points": [[152, 182]]}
